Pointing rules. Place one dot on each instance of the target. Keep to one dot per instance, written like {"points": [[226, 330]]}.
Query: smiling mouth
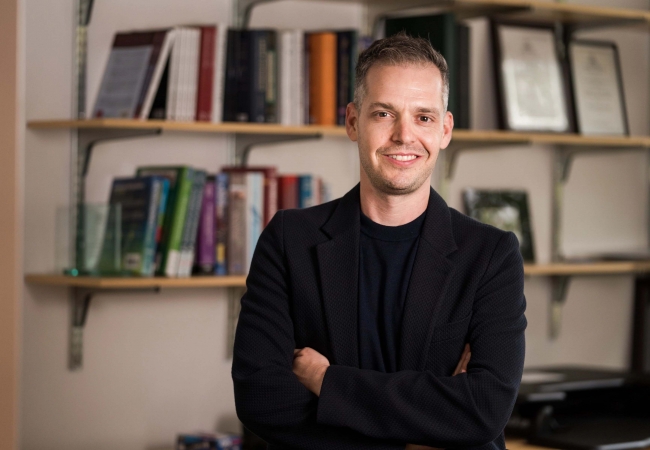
{"points": [[403, 157]]}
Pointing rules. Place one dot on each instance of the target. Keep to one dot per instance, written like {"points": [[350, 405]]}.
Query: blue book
{"points": [[305, 194], [221, 223]]}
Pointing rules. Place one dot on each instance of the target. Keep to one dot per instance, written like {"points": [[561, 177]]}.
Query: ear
{"points": [[351, 121], [447, 126]]}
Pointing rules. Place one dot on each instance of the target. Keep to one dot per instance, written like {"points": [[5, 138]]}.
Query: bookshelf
{"points": [[564, 145]]}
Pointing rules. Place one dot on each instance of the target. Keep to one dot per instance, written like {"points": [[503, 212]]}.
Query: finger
{"points": [[466, 362], [459, 366]]}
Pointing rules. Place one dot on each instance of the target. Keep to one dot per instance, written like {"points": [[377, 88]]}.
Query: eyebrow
{"points": [[421, 109]]}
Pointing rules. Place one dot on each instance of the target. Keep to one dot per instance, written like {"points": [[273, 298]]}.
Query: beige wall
{"points": [[10, 204]]}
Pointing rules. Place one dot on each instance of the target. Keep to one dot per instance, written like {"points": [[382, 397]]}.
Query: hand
{"points": [[460, 368], [310, 367]]}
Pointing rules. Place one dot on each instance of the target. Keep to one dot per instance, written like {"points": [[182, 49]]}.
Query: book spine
{"points": [[271, 95], [191, 225], [232, 77], [284, 76], [237, 224], [343, 57], [245, 90], [155, 83], [162, 209], [258, 75], [149, 253], [158, 42], [205, 245], [221, 37], [183, 191], [288, 192], [463, 78], [254, 213], [221, 224], [194, 60], [306, 82], [174, 68], [298, 62], [206, 75], [322, 83], [270, 195], [305, 193]]}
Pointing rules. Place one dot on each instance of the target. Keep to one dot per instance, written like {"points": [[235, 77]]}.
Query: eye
{"points": [[426, 119], [382, 114]]}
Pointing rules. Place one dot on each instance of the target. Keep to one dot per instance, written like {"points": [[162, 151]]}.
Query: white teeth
{"points": [[403, 157]]}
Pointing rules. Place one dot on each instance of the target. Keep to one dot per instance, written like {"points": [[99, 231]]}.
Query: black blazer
{"points": [[466, 286]]}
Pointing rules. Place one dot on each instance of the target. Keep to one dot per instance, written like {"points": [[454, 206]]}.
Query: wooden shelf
{"points": [[597, 268], [193, 127], [459, 135], [591, 268], [136, 283]]}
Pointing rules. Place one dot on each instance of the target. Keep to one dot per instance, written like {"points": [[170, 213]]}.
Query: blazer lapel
{"points": [[430, 277], [338, 261]]}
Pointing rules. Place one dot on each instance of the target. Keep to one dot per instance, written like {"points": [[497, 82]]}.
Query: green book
{"points": [[180, 187], [442, 31]]}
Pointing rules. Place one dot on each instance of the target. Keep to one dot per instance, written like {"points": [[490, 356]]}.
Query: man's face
{"points": [[400, 127]]}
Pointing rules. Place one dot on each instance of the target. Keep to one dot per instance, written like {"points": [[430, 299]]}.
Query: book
{"points": [[442, 30], [346, 49], [237, 94], [270, 187], [139, 199], [206, 234], [288, 191], [221, 223], [322, 78], [246, 206], [131, 65], [237, 191], [305, 191], [190, 228], [206, 74], [208, 441], [219, 72], [158, 69], [180, 184]]}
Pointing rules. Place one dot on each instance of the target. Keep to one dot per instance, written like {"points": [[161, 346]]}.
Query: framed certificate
{"points": [[597, 88], [532, 84]]}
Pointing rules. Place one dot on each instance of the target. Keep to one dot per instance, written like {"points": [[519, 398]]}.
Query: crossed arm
{"points": [[310, 367]]}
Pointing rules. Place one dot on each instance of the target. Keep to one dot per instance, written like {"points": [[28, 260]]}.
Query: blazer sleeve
{"points": [[269, 399], [466, 410]]}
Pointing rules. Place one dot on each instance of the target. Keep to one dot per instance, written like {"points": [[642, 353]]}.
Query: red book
{"points": [[206, 74], [288, 191], [270, 187]]}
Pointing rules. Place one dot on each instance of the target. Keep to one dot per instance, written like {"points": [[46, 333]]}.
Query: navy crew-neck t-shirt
{"points": [[386, 259]]}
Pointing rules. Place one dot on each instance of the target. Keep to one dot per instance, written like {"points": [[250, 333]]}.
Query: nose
{"points": [[403, 132]]}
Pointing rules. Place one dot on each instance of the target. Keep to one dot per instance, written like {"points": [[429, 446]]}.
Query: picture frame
{"points": [[597, 87], [533, 91], [505, 209]]}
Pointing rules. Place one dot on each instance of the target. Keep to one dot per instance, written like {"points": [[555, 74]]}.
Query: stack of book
{"points": [[211, 73], [179, 221]]}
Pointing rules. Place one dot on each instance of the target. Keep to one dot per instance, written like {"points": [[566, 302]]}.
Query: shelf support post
{"points": [[81, 299], [559, 290]]}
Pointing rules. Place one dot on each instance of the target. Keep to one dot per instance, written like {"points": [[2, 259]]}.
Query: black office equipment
{"points": [[582, 408]]}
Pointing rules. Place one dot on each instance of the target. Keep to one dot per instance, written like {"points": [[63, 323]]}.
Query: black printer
{"points": [[581, 408]]}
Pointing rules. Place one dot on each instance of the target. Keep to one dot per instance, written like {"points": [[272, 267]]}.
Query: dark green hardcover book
{"points": [[442, 31], [191, 224]]}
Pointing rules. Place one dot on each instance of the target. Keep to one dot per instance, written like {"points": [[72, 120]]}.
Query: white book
{"points": [[219, 73], [254, 213], [172, 84], [298, 61], [284, 51], [157, 74], [193, 61]]}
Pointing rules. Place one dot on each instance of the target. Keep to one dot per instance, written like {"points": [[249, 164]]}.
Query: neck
{"points": [[393, 210]]}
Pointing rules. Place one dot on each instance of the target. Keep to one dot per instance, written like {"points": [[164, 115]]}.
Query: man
{"points": [[359, 314]]}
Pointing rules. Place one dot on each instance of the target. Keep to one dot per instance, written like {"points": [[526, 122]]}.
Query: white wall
{"points": [[156, 364]]}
